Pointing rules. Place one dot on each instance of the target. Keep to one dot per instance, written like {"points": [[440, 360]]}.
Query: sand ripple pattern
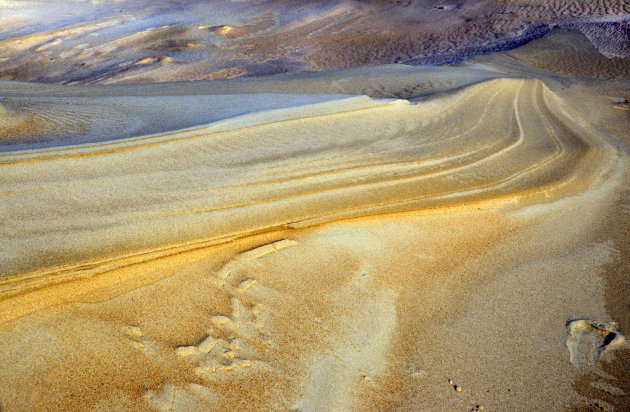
{"points": [[497, 143]]}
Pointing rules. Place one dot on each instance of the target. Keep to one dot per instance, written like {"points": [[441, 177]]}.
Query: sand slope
{"points": [[367, 159], [148, 41], [313, 252]]}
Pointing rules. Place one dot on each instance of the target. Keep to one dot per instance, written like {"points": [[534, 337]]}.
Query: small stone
{"points": [[480, 408], [458, 388], [450, 381]]}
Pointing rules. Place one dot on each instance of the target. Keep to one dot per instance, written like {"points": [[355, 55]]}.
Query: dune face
{"points": [[33, 121], [368, 158], [382, 237]]}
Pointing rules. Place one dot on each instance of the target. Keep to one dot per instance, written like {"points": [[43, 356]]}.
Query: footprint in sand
{"points": [[233, 347], [588, 339], [236, 343], [138, 340], [243, 342]]}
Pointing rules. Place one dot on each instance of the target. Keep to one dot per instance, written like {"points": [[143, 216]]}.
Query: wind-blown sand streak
{"points": [[398, 162]]}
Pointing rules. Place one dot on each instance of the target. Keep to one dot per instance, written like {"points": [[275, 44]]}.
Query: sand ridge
{"points": [[392, 162]]}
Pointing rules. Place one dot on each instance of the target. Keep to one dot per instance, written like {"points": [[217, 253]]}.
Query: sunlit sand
{"points": [[373, 238]]}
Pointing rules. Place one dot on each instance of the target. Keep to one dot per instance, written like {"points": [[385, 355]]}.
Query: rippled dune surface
{"points": [[355, 157], [389, 237], [78, 41]]}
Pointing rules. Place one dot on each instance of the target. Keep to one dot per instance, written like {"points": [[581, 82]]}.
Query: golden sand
{"points": [[420, 249]]}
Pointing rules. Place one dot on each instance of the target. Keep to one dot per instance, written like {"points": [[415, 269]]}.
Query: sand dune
{"points": [[365, 239], [310, 251], [38, 119], [102, 42], [222, 182]]}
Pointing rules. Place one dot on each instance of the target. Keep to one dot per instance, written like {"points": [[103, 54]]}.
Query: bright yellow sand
{"points": [[352, 254]]}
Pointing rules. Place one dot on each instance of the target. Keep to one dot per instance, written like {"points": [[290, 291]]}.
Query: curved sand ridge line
{"points": [[40, 119], [497, 143]]}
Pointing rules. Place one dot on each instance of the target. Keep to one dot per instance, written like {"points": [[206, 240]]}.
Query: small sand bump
{"points": [[246, 284], [146, 60], [137, 345], [187, 350], [205, 370], [153, 59], [229, 368], [207, 345], [223, 30], [133, 331], [237, 308], [234, 344], [225, 322]]}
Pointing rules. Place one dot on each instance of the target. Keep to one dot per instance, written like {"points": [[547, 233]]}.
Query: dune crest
{"points": [[391, 157]]}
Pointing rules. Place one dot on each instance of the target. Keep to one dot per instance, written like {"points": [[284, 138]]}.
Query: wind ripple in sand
{"points": [[38, 120], [504, 140]]}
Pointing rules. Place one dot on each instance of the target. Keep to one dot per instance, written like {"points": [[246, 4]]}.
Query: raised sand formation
{"points": [[102, 42], [369, 157], [335, 252], [378, 238]]}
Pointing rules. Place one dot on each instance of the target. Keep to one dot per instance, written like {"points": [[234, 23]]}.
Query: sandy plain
{"points": [[373, 238]]}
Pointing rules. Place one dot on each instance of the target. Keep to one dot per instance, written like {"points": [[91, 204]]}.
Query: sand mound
{"points": [[392, 156], [611, 39], [62, 120], [570, 53]]}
